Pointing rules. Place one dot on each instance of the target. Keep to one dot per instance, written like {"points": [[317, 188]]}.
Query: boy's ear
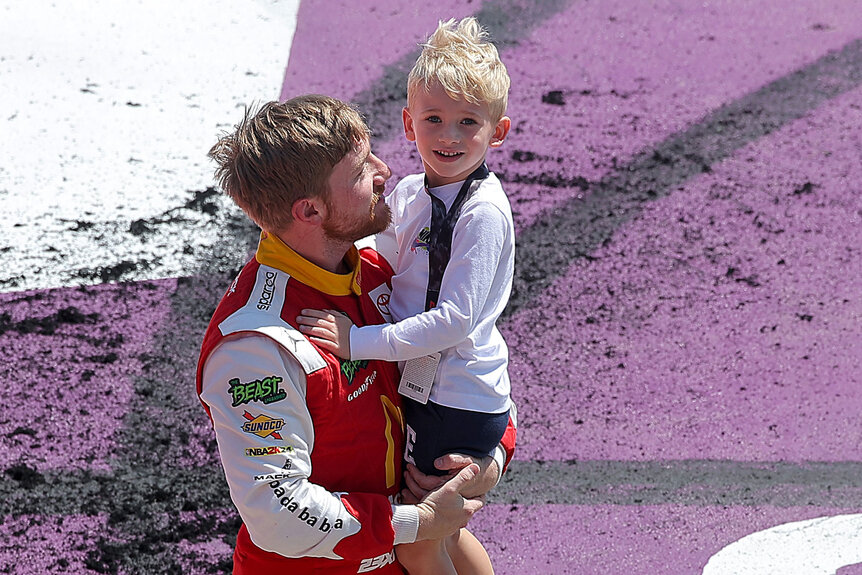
{"points": [[501, 130], [408, 125], [308, 211]]}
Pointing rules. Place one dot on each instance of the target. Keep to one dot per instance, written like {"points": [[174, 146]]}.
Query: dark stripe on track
{"points": [[693, 482], [572, 230]]}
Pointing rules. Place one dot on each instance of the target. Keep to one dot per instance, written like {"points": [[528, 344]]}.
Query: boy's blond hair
{"points": [[465, 63], [285, 152]]}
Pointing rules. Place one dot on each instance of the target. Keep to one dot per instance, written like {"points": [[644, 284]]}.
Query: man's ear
{"points": [[408, 125], [308, 211], [501, 130]]}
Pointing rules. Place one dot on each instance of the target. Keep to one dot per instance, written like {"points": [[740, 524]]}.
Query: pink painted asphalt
{"points": [[720, 320], [661, 343], [77, 352], [635, 540]]}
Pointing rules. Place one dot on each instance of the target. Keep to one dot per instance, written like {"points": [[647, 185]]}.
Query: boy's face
{"points": [[452, 136]]}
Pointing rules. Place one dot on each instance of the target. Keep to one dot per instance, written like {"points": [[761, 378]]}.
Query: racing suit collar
{"points": [[271, 251]]}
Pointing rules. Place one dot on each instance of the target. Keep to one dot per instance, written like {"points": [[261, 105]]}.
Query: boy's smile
{"points": [[452, 135]]}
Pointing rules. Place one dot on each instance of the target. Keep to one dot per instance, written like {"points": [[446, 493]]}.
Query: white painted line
{"points": [[813, 547], [107, 111]]}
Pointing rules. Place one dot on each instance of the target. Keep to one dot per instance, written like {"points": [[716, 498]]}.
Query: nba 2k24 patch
{"points": [[269, 450]]}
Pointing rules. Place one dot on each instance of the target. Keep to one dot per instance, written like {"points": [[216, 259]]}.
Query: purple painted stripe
{"points": [[84, 544], [622, 90], [602, 539], [77, 352], [722, 323], [38, 544], [342, 46], [687, 333]]}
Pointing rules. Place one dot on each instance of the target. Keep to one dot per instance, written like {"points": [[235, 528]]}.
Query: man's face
{"points": [[452, 135], [355, 208]]}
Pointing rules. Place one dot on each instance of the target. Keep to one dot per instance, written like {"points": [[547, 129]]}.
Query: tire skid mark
{"points": [[546, 249]]}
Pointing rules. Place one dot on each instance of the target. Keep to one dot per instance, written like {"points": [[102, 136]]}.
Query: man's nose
{"points": [[382, 169]]}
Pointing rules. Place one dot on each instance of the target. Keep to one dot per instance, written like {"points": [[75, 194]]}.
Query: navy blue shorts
{"points": [[434, 430]]}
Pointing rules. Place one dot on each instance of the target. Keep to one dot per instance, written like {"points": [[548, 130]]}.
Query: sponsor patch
{"points": [[304, 514], [381, 296], [272, 476], [268, 450], [422, 240], [267, 292], [364, 387], [262, 425], [349, 368], [264, 390], [373, 563]]}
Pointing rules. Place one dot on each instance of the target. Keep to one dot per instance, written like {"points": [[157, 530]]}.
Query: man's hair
{"points": [[465, 63], [285, 152]]}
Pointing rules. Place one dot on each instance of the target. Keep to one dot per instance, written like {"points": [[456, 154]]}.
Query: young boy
{"points": [[454, 264]]}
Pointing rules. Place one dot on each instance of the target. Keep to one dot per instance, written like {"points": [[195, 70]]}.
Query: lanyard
{"points": [[442, 226]]}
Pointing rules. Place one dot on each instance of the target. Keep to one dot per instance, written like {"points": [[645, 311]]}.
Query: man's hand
{"points": [[328, 328], [445, 510], [418, 485]]}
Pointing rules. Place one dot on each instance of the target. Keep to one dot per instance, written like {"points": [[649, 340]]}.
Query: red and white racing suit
{"points": [[311, 445]]}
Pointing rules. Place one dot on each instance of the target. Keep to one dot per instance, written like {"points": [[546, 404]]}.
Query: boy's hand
{"points": [[328, 328]]}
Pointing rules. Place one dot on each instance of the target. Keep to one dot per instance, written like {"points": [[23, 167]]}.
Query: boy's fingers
{"points": [[453, 461], [425, 482], [318, 331], [408, 497], [325, 314], [414, 487]]}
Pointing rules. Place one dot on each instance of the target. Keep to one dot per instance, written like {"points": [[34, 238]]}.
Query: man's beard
{"points": [[341, 228]]}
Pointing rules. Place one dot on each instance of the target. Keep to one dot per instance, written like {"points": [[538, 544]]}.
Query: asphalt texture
{"points": [[685, 329]]}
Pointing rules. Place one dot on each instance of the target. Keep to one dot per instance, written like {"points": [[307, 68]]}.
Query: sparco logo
{"points": [[266, 295]]}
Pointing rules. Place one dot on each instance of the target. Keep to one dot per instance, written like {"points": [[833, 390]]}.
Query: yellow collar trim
{"points": [[272, 252]]}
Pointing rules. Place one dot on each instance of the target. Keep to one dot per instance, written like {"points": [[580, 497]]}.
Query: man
{"points": [[311, 445]]}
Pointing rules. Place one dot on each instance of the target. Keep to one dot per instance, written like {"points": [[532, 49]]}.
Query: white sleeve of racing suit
{"points": [[265, 450]]}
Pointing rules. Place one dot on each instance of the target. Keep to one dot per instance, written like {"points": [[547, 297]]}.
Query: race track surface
{"points": [[685, 329]]}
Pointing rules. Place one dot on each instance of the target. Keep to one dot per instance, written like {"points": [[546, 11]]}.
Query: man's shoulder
{"points": [[376, 269]]}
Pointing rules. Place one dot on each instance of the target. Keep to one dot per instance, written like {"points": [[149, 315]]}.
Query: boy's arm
{"points": [[483, 241]]}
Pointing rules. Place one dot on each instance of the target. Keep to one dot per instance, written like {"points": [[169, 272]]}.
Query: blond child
{"points": [[453, 263]]}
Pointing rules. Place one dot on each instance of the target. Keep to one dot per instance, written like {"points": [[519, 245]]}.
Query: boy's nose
{"points": [[450, 135]]}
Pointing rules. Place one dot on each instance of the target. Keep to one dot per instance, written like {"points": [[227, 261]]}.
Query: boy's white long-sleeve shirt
{"points": [[472, 374]]}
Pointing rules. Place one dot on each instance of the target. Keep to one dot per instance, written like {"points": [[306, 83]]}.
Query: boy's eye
{"points": [[433, 119], [468, 121]]}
